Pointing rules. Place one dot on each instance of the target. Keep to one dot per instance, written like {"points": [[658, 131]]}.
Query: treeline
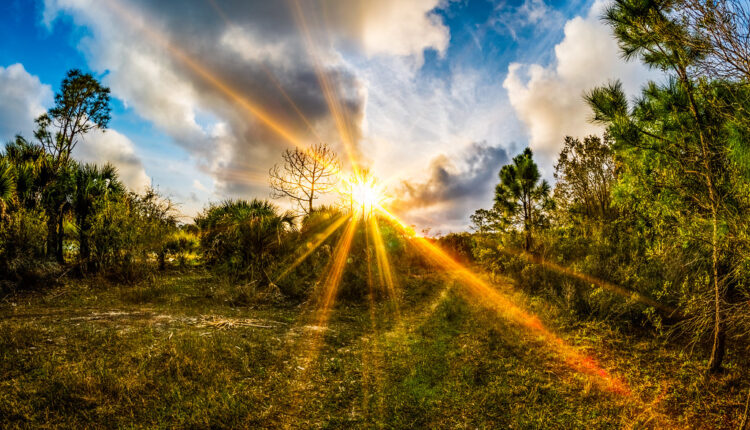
{"points": [[58, 215], [648, 224]]}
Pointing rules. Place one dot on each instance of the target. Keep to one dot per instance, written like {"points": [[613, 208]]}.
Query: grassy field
{"points": [[186, 350]]}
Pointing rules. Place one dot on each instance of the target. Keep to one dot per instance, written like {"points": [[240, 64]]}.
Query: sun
{"points": [[363, 193]]}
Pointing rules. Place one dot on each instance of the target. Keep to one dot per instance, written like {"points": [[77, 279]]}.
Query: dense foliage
{"points": [[57, 214], [655, 211]]}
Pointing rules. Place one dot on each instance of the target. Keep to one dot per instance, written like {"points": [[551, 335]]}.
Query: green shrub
{"points": [[128, 234], [23, 234], [243, 239]]}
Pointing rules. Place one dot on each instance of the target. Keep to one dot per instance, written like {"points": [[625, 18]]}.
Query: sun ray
{"points": [[366, 364], [336, 272], [312, 246], [242, 100], [311, 344], [504, 306], [246, 176], [338, 112], [613, 288], [384, 266], [270, 75]]}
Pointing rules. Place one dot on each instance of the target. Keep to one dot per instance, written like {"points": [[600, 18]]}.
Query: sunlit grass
{"points": [[77, 362]]}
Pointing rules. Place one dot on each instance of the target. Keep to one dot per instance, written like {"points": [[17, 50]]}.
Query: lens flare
{"points": [[365, 197], [339, 112], [616, 289], [363, 193], [333, 280]]}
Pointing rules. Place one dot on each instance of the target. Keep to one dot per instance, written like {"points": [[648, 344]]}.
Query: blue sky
{"points": [[440, 93]]}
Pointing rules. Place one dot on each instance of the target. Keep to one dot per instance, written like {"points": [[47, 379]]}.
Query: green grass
{"points": [[187, 350]]}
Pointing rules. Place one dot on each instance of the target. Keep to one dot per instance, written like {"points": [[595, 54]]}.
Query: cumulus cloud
{"points": [[452, 189], [110, 146], [396, 27], [23, 98], [549, 99], [202, 70]]}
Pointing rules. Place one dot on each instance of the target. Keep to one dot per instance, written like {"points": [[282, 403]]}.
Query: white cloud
{"points": [[110, 146], [549, 100], [22, 98], [151, 53], [531, 13], [397, 27]]}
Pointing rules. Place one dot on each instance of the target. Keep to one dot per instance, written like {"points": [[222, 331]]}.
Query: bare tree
{"points": [[722, 30], [305, 175]]}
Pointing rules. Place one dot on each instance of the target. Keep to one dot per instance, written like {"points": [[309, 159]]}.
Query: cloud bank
{"points": [[549, 99], [113, 147], [193, 70], [452, 188]]}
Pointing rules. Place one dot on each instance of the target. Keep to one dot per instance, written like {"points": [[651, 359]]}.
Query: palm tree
{"points": [[520, 197], [27, 162], [92, 185], [244, 235]]}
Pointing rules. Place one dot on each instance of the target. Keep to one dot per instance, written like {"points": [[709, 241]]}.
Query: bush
{"points": [[129, 234], [23, 235], [243, 239]]}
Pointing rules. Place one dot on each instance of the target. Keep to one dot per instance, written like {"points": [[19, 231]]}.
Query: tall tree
{"points": [[676, 137], [521, 196], [305, 175], [81, 105], [585, 174]]}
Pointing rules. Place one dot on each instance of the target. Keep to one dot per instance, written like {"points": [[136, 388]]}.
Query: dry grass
{"points": [[177, 352]]}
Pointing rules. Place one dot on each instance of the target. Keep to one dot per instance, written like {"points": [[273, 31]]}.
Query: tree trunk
{"points": [[527, 241], [52, 236], [717, 350], [527, 223], [84, 252], [60, 237]]}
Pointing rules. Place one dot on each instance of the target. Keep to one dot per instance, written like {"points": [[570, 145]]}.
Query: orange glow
{"points": [[363, 193], [311, 344], [274, 80], [241, 100], [368, 196], [494, 299], [245, 176], [339, 113], [385, 274], [336, 272]]}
